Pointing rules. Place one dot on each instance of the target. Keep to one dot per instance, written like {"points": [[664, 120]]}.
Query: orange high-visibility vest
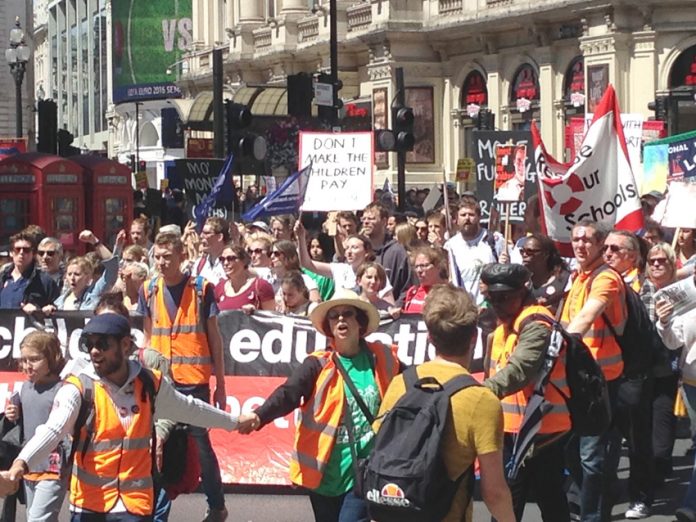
{"points": [[184, 341], [599, 338], [504, 344], [321, 414], [117, 462]]}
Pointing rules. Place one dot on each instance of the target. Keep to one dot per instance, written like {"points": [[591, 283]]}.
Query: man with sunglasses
{"points": [[50, 257], [517, 356], [113, 461], [22, 284], [597, 294]]}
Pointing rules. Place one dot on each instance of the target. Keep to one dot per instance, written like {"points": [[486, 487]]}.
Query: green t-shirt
{"points": [[338, 475], [325, 285]]}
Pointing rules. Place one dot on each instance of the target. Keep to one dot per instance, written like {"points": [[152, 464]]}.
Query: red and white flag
{"points": [[597, 185]]}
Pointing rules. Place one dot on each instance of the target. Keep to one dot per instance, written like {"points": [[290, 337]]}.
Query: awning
{"points": [[263, 101]]}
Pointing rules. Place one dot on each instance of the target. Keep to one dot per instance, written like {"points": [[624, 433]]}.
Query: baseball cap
{"points": [[261, 225], [108, 324]]}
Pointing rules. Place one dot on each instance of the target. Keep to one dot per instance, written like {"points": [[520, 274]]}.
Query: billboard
{"points": [[148, 37]]}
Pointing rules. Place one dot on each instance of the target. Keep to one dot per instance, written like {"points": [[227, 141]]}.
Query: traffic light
{"points": [[660, 107], [485, 120], [330, 112], [142, 166], [300, 94], [65, 148], [402, 124], [241, 142], [47, 141], [131, 162]]}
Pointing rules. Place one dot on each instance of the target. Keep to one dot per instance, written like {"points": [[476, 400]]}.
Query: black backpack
{"points": [[405, 478], [588, 402], [640, 341]]}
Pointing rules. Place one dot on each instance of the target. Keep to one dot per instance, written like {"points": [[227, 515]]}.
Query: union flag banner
{"points": [[597, 185]]}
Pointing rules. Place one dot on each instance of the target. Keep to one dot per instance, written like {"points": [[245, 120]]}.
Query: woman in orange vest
{"points": [[330, 436], [517, 355]]}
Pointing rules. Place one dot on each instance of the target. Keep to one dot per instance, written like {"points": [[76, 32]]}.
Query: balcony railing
{"points": [[308, 29], [359, 16], [262, 37], [450, 6]]}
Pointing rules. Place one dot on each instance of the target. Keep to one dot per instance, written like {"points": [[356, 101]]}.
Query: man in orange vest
{"points": [[597, 294], [181, 323], [113, 459], [517, 353]]}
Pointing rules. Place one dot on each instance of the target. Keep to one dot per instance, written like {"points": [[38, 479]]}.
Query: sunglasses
{"points": [[228, 259], [497, 297], [47, 253], [657, 261], [258, 251], [24, 250], [276, 254], [613, 248], [101, 343], [529, 251], [332, 315]]}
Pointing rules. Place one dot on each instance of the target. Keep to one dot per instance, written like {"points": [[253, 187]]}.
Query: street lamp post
{"points": [[17, 57]]}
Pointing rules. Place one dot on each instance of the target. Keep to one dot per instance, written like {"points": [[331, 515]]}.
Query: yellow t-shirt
{"points": [[476, 427]]}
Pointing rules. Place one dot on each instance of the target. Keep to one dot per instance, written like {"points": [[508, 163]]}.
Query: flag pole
{"points": [[445, 200]]}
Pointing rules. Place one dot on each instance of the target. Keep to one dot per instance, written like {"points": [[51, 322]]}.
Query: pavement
{"points": [[289, 505]]}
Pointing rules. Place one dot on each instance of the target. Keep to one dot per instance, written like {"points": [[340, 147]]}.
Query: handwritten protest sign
{"points": [[342, 170], [681, 294], [679, 206]]}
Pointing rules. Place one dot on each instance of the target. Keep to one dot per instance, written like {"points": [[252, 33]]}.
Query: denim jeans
{"points": [[690, 403], [210, 469], [595, 471], [343, 508], [162, 505], [44, 499]]}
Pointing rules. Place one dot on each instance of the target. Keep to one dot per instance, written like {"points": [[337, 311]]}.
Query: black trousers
{"points": [[634, 421], [664, 424], [541, 477]]}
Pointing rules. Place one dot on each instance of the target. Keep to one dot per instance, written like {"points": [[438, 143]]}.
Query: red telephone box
{"points": [[109, 196], [44, 190]]}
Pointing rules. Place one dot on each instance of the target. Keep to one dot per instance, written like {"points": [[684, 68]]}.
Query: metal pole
{"points": [[18, 73], [137, 136], [218, 110], [333, 52], [400, 100]]}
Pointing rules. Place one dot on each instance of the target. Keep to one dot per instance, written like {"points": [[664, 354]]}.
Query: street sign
{"points": [[323, 94]]}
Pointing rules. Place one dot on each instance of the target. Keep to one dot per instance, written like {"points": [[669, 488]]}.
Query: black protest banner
{"points": [[483, 147], [15, 325], [269, 344], [198, 177]]}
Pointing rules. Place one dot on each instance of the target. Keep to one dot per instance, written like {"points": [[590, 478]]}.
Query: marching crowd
{"points": [[89, 430]]}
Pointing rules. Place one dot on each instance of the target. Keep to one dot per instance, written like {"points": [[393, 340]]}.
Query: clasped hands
{"points": [[9, 480]]}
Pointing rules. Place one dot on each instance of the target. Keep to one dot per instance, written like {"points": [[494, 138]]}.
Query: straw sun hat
{"points": [[344, 297]]}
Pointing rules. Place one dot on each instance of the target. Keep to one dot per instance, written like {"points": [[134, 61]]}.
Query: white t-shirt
{"points": [[466, 259]]}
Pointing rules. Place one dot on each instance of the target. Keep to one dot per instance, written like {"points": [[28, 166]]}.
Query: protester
{"points": [[474, 428], [662, 269], [81, 289], [371, 279], [388, 252], [549, 272], [686, 252], [405, 234], [284, 258], [324, 464], [42, 361], [119, 393], [214, 236], [597, 292], [430, 267], [22, 284], [295, 295], [241, 289], [140, 232], [437, 228], [50, 256], [677, 332], [133, 275], [282, 227], [517, 357], [653, 233], [321, 248], [177, 302], [421, 230], [470, 249]]}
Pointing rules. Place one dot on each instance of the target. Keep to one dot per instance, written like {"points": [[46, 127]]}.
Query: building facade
{"points": [[545, 61]]}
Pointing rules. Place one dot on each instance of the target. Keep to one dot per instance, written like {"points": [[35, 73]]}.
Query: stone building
{"points": [[545, 60]]}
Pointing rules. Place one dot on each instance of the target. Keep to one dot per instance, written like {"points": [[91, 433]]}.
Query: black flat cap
{"points": [[501, 278]]}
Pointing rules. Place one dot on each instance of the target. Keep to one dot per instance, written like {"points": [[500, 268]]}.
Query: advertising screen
{"points": [[149, 36]]}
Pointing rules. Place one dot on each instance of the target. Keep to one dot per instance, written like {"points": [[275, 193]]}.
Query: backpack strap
{"points": [[199, 284], [149, 393], [152, 288], [353, 390], [458, 383], [201, 263]]}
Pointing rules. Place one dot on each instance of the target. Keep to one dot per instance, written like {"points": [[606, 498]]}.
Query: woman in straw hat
{"points": [[334, 429]]}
